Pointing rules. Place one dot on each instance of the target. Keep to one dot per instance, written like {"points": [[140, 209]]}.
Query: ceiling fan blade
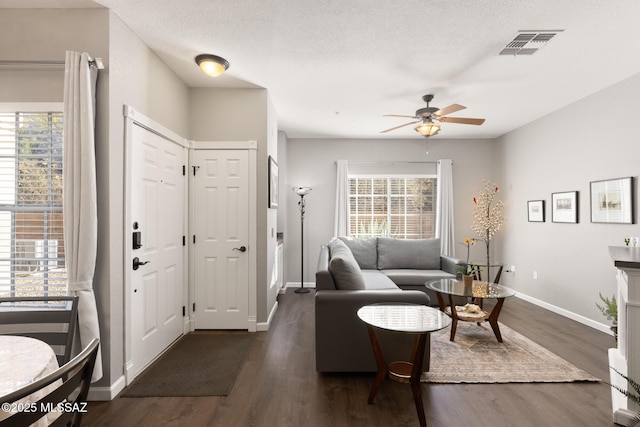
{"points": [[399, 115], [450, 109], [397, 127], [463, 120]]}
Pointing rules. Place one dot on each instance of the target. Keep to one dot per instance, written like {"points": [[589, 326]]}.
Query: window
{"points": [[396, 206], [31, 235]]}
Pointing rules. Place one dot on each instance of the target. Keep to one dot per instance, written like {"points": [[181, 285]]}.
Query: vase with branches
{"points": [[487, 217]]}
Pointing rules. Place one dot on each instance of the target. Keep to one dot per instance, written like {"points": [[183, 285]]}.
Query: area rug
{"points": [[477, 357], [199, 364]]}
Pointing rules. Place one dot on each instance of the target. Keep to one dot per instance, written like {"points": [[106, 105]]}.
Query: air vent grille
{"points": [[528, 42]]}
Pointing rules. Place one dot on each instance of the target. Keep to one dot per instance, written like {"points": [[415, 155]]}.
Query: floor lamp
{"points": [[301, 191]]}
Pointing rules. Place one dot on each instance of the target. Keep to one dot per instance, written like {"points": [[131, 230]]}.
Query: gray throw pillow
{"points": [[365, 251], [420, 254], [344, 267]]}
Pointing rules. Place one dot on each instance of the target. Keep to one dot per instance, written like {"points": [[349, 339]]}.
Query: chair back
{"points": [[65, 393], [49, 319]]}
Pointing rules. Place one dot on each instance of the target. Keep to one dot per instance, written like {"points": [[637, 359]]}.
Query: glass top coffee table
{"points": [[478, 291], [416, 319]]}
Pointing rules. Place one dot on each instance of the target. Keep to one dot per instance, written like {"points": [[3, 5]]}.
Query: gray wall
{"points": [[311, 162], [564, 151]]}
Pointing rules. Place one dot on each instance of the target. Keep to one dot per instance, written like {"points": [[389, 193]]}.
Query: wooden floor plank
{"points": [[278, 385]]}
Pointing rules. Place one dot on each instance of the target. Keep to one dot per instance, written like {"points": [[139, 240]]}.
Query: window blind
{"points": [[31, 233], [398, 207]]}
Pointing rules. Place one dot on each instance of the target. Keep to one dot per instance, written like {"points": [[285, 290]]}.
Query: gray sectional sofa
{"points": [[352, 273]]}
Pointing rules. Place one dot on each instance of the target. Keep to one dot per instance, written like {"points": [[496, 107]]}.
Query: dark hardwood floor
{"points": [[278, 385]]}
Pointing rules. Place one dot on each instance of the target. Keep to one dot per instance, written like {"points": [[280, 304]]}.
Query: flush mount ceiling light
{"points": [[427, 128], [212, 65]]}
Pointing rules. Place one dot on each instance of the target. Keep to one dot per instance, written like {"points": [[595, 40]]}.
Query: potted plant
{"points": [[467, 270], [628, 394], [609, 309]]}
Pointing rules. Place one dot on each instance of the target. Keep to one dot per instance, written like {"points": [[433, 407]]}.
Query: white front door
{"points": [[157, 203], [221, 238]]}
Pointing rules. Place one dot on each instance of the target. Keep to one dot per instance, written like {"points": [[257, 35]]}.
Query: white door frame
{"points": [[135, 118], [251, 147]]}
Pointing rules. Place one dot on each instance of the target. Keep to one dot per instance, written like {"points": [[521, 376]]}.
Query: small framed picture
{"points": [[536, 210], [273, 183], [612, 201], [564, 207]]}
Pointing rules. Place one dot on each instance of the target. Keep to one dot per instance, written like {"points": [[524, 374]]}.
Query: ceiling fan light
{"points": [[212, 65], [427, 129]]}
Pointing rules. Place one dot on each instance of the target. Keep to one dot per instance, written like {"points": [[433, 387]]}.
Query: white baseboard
{"points": [[566, 313], [102, 394], [264, 326], [310, 285]]}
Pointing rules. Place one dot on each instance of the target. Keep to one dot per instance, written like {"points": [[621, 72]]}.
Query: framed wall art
{"points": [[564, 207], [535, 210], [273, 183], [612, 201]]}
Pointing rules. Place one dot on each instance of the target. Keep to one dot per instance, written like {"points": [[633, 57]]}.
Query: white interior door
{"points": [[157, 203], [221, 238]]}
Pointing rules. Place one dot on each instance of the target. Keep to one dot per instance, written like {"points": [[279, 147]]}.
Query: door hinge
{"points": [[184, 311], [184, 170], [195, 168], [184, 240], [194, 238], [194, 307]]}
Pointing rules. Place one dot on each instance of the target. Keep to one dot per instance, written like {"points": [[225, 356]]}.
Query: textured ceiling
{"points": [[334, 67]]}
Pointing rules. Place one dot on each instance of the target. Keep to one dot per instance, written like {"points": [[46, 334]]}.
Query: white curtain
{"points": [[444, 216], [341, 224], [79, 193]]}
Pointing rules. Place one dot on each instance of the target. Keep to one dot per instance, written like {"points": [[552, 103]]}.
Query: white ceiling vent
{"points": [[528, 42]]}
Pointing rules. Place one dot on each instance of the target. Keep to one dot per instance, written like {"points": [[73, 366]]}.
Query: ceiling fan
{"points": [[428, 116]]}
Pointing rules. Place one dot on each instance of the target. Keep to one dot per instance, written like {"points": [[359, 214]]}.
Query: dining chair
{"points": [[50, 319], [61, 395]]}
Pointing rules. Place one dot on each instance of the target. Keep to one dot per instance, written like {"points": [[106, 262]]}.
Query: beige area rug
{"points": [[477, 357]]}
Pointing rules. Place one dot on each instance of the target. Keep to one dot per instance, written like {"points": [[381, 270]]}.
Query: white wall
{"points": [[592, 139], [311, 162]]}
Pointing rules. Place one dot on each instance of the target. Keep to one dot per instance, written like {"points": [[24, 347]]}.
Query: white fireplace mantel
{"points": [[626, 358]]}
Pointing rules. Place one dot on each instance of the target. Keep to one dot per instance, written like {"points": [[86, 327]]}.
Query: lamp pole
{"points": [[301, 191]]}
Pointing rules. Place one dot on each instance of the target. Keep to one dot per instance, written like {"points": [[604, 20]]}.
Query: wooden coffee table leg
{"points": [[416, 372], [382, 365], [493, 319], [454, 318]]}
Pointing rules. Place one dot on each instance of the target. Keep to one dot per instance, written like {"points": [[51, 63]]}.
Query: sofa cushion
{"points": [[365, 251], [375, 280], [420, 254], [344, 267], [402, 277]]}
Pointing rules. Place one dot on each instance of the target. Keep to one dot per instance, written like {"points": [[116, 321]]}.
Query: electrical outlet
{"points": [[535, 275], [513, 268]]}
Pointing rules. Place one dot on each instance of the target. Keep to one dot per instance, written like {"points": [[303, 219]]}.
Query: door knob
{"points": [[137, 263], [241, 249]]}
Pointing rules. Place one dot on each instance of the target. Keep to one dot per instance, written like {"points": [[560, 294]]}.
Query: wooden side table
{"points": [[415, 319]]}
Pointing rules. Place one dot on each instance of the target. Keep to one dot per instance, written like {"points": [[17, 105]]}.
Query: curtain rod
{"points": [[9, 63]]}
